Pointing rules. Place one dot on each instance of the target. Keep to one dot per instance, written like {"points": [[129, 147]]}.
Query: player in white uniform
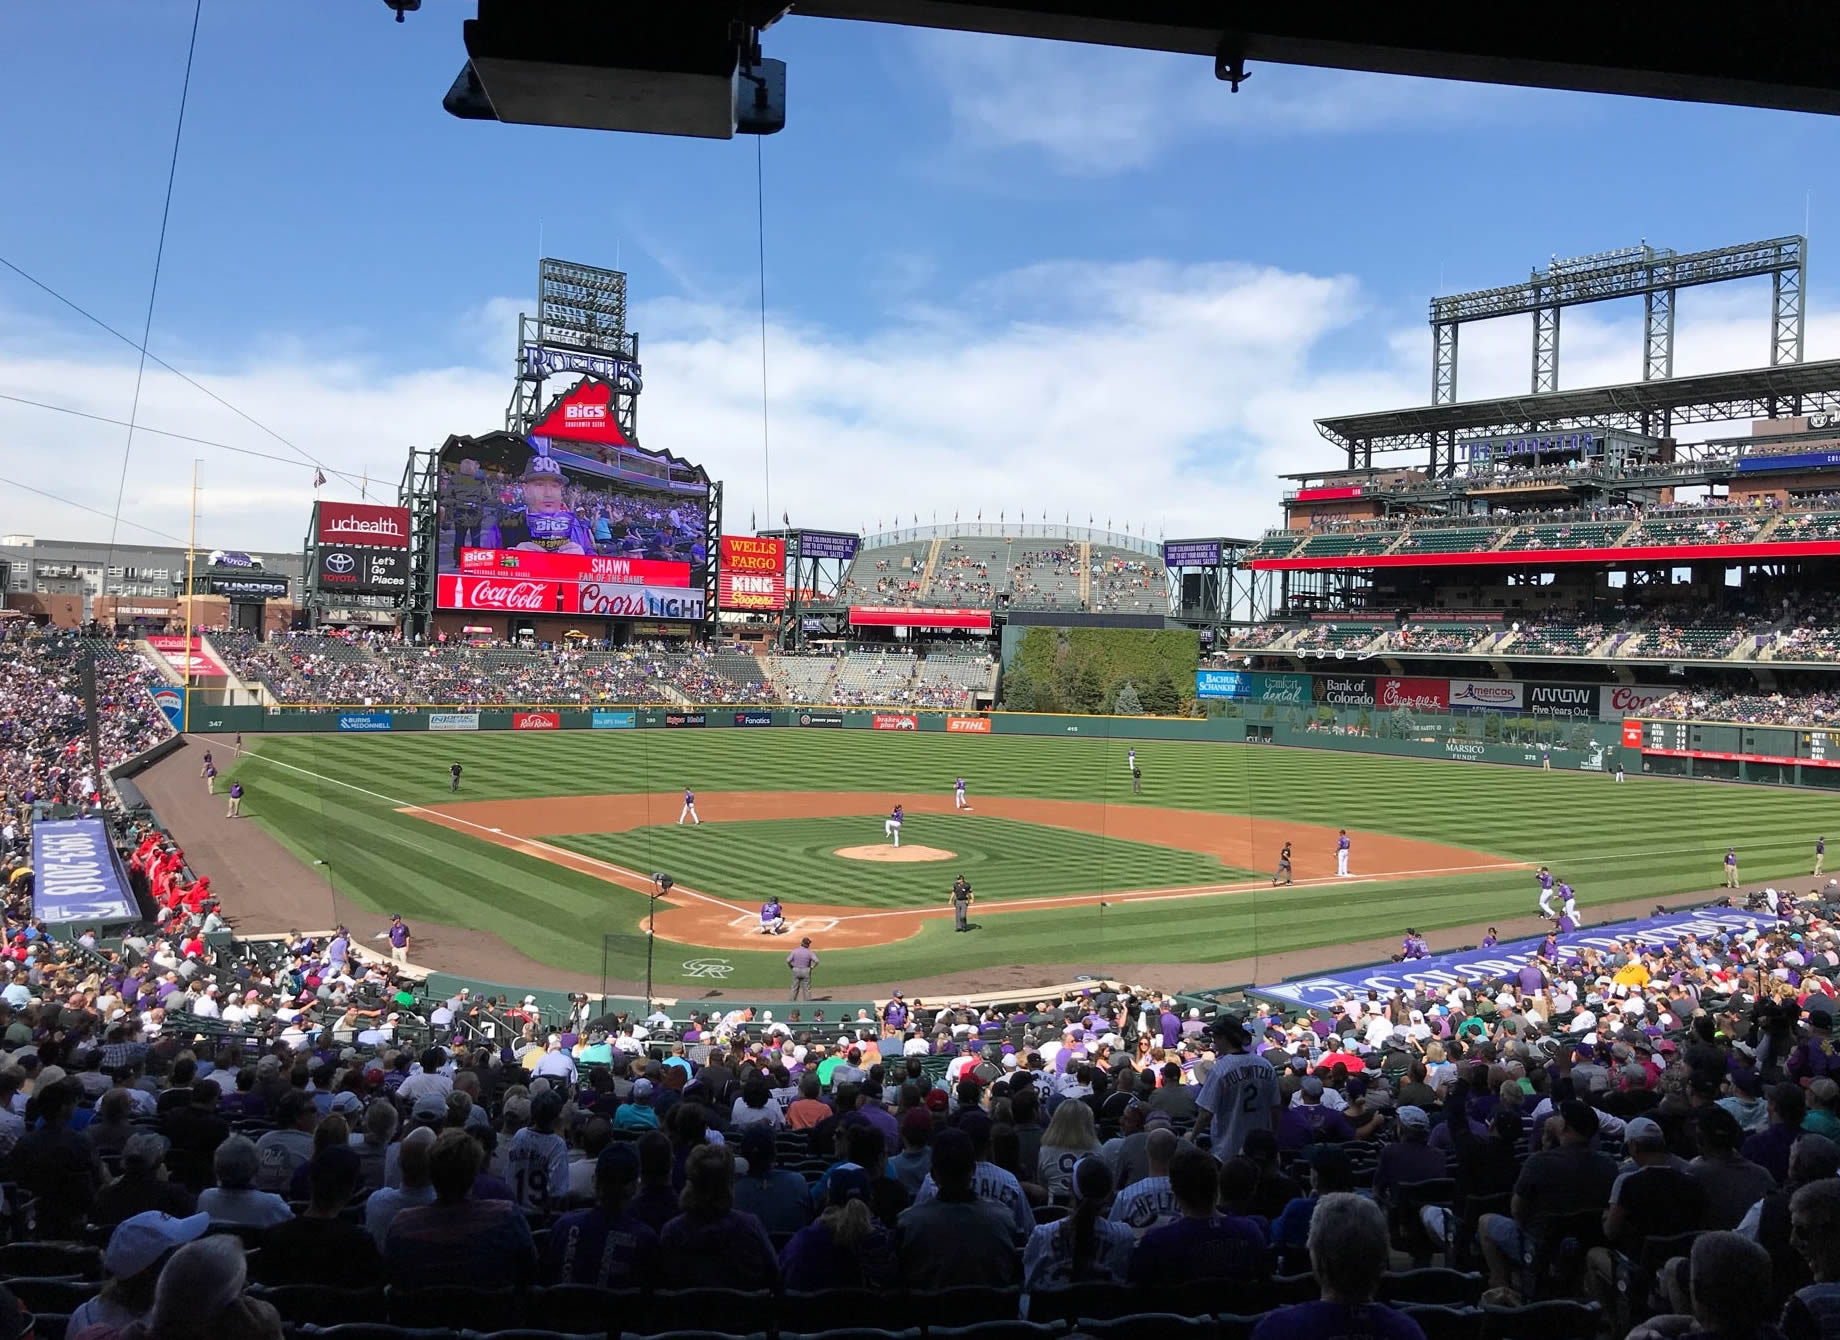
{"points": [[1241, 1093], [1546, 891], [1130, 759], [1568, 907], [689, 809], [892, 827], [958, 799], [1341, 854]]}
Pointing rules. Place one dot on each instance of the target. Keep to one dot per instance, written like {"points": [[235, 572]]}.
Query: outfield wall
{"points": [[1571, 744]]}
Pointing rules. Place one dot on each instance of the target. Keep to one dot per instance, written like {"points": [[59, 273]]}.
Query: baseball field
{"points": [[552, 840]]}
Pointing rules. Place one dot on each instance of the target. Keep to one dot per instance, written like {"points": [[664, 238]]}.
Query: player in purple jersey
{"points": [[958, 799], [892, 827], [1731, 867], [1546, 892], [1341, 854], [689, 809]]}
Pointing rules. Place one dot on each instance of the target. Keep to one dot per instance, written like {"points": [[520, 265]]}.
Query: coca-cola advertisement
{"points": [[1413, 695], [1617, 701], [512, 594]]}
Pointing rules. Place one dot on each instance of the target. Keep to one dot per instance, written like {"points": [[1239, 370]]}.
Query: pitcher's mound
{"points": [[882, 851]]}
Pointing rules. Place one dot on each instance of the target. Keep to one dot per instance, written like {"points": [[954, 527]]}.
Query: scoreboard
{"points": [[1755, 744]]}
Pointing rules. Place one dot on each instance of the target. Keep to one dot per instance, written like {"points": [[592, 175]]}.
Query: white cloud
{"points": [[1097, 110], [1161, 395]]}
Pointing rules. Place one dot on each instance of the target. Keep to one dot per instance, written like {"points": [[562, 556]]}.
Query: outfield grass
{"points": [[1014, 860], [336, 798]]}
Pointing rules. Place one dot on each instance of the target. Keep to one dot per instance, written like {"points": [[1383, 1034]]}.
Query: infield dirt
{"points": [[690, 916]]}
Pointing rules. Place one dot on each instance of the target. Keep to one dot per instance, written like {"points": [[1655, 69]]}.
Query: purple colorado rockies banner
{"points": [[1489, 965]]}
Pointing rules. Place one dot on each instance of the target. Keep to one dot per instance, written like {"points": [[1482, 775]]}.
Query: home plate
{"points": [[883, 851]]}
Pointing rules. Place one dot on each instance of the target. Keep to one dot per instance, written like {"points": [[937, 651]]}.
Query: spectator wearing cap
{"points": [[1410, 1158], [1085, 1247], [142, 1185], [1650, 1197], [711, 1243], [1823, 1115], [138, 1248], [1309, 1121], [637, 1112], [487, 1243], [200, 1293], [1349, 1252], [1746, 1101], [58, 1164], [427, 1078], [284, 1150], [1240, 1093], [846, 1246], [1732, 1183], [1553, 1182], [604, 1245], [991, 1183], [235, 1200], [319, 1247], [778, 1197], [1813, 1312], [910, 1166], [1173, 1098], [1149, 1202], [537, 1159], [385, 1203], [1200, 1243], [952, 1235], [1769, 1148]]}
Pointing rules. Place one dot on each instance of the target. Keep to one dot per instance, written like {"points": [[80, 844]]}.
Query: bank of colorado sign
{"points": [[1343, 691]]}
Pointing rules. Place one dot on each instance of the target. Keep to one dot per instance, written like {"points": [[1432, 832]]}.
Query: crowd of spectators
{"points": [[45, 763], [1755, 709]]}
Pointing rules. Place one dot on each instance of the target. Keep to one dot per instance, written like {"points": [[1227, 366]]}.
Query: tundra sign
{"points": [[1562, 700]]}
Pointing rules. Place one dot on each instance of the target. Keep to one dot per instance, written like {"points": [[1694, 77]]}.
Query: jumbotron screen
{"points": [[548, 526]]}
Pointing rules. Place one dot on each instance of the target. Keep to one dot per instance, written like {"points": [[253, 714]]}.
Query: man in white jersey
{"points": [[537, 1160], [993, 1185], [1148, 1202], [1240, 1094]]}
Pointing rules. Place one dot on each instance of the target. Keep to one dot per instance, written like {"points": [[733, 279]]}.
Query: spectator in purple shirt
{"points": [[1202, 1243], [1309, 1122], [1170, 1025], [711, 1244], [1349, 1252], [1769, 1148]]}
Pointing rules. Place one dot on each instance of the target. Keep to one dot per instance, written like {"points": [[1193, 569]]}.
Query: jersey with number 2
{"points": [[1241, 1091]]}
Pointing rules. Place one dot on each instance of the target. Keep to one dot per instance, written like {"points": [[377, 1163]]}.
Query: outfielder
{"points": [[1130, 760], [958, 799], [892, 828], [689, 809], [1341, 854], [1546, 892]]}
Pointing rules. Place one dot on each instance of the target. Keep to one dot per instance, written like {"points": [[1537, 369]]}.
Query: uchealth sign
{"points": [[1562, 700], [1414, 695], [895, 721], [536, 721], [361, 523], [1617, 701], [1493, 695]]}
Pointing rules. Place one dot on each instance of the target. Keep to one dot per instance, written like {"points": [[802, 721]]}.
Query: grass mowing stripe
{"points": [[1649, 838]]}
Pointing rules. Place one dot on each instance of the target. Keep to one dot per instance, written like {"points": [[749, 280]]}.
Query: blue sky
{"points": [[999, 273]]}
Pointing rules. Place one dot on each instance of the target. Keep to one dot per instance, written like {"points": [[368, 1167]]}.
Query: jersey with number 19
{"points": [[537, 1166], [1240, 1091]]}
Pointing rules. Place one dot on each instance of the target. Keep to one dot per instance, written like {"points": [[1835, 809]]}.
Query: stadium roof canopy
{"points": [[1651, 408]]}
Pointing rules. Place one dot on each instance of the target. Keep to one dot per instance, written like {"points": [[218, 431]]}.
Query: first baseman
{"points": [[958, 799], [1341, 854], [689, 809], [892, 828]]}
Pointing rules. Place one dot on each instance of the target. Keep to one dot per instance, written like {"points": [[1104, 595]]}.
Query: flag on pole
{"points": [[319, 479], [752, 523]]}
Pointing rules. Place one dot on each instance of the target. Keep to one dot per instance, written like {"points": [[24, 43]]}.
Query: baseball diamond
{"points": [[559, 836]]}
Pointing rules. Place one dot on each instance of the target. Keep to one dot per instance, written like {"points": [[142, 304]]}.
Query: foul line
{"points": [[562, 856]]}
